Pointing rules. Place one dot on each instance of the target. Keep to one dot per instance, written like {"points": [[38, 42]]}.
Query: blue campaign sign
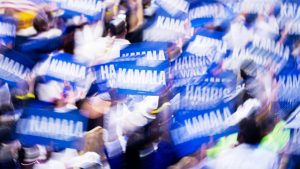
{"points": [[46, 127], [288, 95], [7, 30], [207, 43], [254, 6], [63, 67], [289, 17], [130, 78], [153, 51], [176, 8], [266, 53], [203, 50], [190, 129], [92, 9], [208, 91], [189, 65], [205, 109], [169, 23], [14, 67], [203, 12]]}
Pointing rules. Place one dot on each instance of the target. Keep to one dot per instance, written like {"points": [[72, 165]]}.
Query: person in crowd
{"points": [[247, 154]]}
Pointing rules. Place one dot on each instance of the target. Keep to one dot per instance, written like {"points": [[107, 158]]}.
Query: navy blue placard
{"points": [[14, 67], [190, 129], [153, 51], [8, 28], [46, 127], [63, 67], [169, 22], [203, 12], [288, 95], [129, 78]]}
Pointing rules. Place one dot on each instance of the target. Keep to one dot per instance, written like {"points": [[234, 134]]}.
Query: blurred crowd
{"points": [[226, 98]]}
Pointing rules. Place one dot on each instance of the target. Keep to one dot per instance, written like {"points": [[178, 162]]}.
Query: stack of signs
{"points": [[288, 95], [203, 12], [92, 9], [7, 30], [14, 67], [264, 52], [203, 50], [42, 126], [141, 69], [293, 124], [204, 110], [169, 22], [289, 20]]}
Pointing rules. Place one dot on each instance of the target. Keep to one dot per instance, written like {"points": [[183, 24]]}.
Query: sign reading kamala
{"points": [[293, 124], [165, 26], [129, 78], [288, 95], [254, 6], [62, 67], [7, 30], [266, 53], [190, 129], [43, 126], [14, 67], [202, 12], [93, 9], [289, 17], [153, 51]]}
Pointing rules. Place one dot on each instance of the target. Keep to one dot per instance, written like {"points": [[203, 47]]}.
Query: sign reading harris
{"points": [[46, 127]]}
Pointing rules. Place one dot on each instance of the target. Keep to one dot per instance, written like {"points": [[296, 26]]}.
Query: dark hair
{"points": [[117, 26], [250, 131], [69, 38], [6, 108], [40, 22], [80, 103]]}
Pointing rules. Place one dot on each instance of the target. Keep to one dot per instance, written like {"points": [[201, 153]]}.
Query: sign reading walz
{"points": [[46, 127]]}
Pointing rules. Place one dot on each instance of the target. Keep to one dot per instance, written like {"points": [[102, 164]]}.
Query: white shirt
{"points": [[244, 156], [125, 118]]}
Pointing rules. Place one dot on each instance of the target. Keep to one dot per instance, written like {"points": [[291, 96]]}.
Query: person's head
{"points": [[117, 27], [41, 22], [69, 38], [250, 131]]}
